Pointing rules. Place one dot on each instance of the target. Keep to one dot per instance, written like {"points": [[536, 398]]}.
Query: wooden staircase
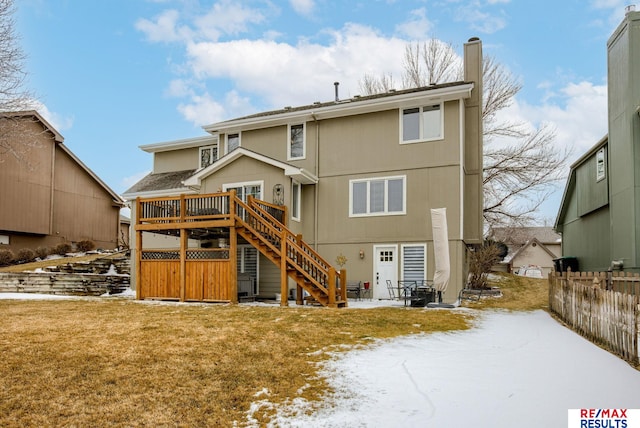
{"points": [[256, 222]]}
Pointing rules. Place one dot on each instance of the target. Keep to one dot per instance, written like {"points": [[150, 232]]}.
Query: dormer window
{"points": [[233, 142], [296, 143], [208, 155]]}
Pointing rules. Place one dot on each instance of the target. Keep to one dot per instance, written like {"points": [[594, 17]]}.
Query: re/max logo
{"points": [[603, 413]]}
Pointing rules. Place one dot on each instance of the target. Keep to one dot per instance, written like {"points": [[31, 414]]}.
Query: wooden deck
{"points": [[210, 274]]}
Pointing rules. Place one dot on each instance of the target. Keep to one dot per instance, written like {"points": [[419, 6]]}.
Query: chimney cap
{"points": [[474, 39], [629, 8]]}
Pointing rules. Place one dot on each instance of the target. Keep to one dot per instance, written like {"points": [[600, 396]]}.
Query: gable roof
{"points": [[529, 244], [160, 184], [522, 235], [37, 116], [347, 107], [299, 174]]}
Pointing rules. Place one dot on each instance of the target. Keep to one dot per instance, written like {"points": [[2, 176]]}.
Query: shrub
{"points": [[6, 257], [85, 245], [25, 255], [61, 249], [482, 259], [42, 252]]}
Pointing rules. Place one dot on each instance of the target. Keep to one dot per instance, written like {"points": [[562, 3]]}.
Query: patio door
{"points": [[385, 268]]}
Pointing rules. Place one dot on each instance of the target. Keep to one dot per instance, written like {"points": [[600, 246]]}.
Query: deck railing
{"points": [[184, 208]]}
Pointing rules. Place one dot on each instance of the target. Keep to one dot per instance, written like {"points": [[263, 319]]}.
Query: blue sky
{"points": [[113, 75]]}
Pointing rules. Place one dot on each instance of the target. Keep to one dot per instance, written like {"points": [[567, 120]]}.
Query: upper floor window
{"points": [[233, 142], [208, 155], [421, 123], [296, 143], [377, 196], [296, 199], [601, 169]]}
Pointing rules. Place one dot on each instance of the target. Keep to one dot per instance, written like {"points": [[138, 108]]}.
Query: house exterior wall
{"points": [[624, 139], [83, 209], [25, 184], [533, 255], [176, 160]]}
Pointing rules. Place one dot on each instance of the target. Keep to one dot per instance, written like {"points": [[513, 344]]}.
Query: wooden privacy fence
{"points": [[604, 316]]}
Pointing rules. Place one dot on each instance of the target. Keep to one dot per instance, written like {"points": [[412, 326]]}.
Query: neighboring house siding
{"points": [[83, 209], [25, 186], [588, 238], [48, 196], [592, 194]]}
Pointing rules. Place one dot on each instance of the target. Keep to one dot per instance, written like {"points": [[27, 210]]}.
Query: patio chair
{"points": [[355, 287], [408, 291], [393, 290]]}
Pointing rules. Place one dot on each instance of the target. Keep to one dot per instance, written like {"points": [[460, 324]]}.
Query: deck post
{"points": [[343, 285], [138, 260], [233, 249], [284, 279], [183, 263], [332, 287]]}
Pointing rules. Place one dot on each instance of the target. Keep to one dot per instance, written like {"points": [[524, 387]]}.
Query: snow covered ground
{"points": [[514, 369]]}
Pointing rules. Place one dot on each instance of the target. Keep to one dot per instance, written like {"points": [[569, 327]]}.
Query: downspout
{"points": [[316, 197]]}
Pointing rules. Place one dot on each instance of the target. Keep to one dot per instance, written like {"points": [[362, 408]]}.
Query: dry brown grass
{"points": [[519, 293], [125, 363]]}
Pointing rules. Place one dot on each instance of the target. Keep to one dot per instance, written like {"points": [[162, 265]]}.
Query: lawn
{"points": [[117, 362]]}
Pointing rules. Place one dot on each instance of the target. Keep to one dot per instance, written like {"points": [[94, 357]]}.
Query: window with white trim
{"points": [[296, 200], [243, 190], [601, 168], [296, 145], [421, 124], [208, 155], [414, 262], [233, 142], [377, 196]]}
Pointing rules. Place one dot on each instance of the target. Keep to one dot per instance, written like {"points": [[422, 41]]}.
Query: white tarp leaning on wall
{"points": [[441, 248]]}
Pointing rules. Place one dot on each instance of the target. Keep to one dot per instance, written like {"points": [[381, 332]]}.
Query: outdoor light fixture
{"points": [[362, 254]]}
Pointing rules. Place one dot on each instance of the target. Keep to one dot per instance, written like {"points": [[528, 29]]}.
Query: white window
{"points": [[233, 142], [601, 169], [421, 124], [243, 190], [296, 200], [296, 144], [414, 262], [208, 155], [377, 196], [4, 239]]}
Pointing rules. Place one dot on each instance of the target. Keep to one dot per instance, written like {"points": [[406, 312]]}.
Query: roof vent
{"points": [[630, 8], [316, 103], [391, 91], [287, 108]]}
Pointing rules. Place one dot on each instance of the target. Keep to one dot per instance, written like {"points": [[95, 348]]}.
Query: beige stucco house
{"points": [[349, 184], [537, 246], [47, 195]]}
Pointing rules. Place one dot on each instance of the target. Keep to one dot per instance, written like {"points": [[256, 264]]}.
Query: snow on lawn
{"points": [[513, 370]]}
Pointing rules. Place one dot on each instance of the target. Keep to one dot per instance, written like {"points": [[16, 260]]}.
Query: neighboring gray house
{"points": [[599, 217]]}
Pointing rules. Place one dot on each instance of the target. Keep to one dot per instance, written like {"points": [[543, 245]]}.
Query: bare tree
{"points": [[521, 165], [17, 138], [12, 75]]}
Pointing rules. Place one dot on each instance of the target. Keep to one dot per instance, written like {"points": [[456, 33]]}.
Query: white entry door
{"points": [[385, 268]]}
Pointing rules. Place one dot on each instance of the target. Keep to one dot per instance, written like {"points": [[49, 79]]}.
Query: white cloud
{"points": [[164, 28], [58, 121], [227, 18], [578, 113], [303, 7], [417, 27], [284, 74], [481, 21]]}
